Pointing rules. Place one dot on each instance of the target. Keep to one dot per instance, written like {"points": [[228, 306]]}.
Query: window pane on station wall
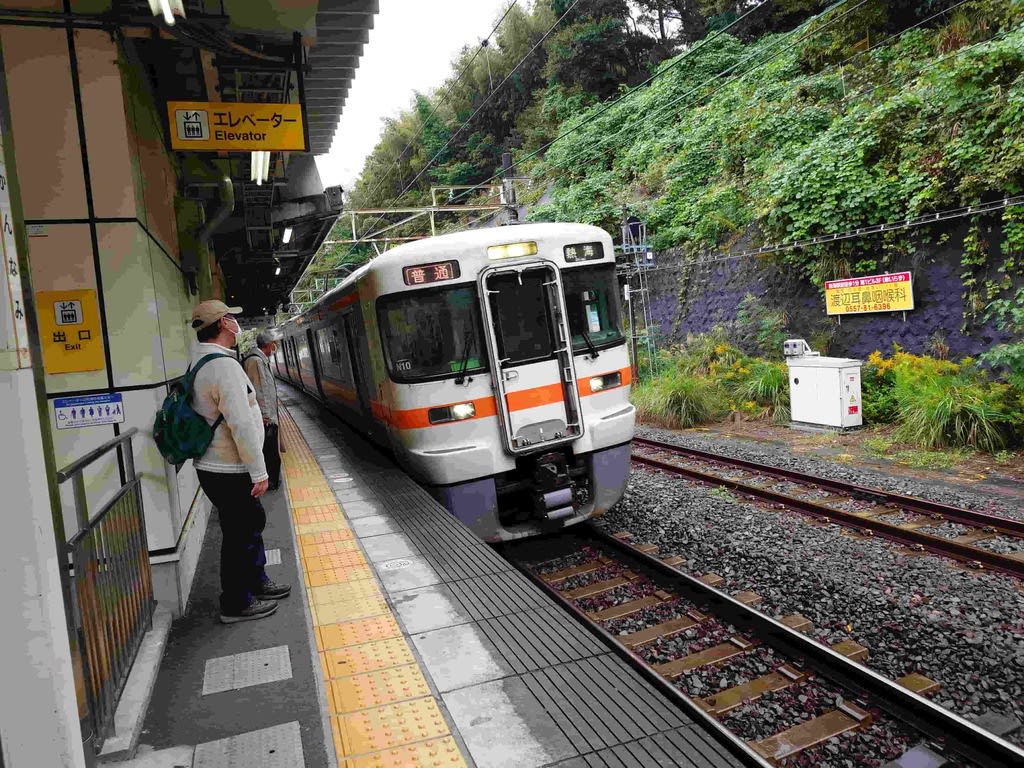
{"points": [[45, 124]]}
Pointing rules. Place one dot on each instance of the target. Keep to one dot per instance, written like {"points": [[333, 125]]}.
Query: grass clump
{"points": [[675, 399]]}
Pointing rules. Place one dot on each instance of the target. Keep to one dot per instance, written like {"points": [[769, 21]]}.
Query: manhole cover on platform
{"points": [[394, 565]]}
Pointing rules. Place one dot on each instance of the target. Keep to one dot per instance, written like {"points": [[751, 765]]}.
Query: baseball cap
{"points": [[208, 312]]}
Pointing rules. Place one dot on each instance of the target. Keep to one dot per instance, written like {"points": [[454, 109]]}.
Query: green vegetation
{"points": [[936, 406]]}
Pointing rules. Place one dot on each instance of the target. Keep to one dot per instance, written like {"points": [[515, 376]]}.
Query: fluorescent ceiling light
{"points": [[277, 271], [287, 236]]}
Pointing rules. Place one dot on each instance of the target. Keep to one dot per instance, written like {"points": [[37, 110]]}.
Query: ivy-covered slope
{"points": [[815, 131]]}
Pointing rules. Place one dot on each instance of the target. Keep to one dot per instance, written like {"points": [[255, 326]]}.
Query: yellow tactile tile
{"points": [[317, 513], [382, 714], [372, 730], [358, 608], [340, 560], [433, 753], [310, 497], [357, 632], [340, 593], [330, 525], [339, 575], [368, 657], [375, 689], [342, 544]]}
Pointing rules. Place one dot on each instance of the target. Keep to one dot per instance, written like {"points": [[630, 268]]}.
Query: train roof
{"points": [[459, 241]]}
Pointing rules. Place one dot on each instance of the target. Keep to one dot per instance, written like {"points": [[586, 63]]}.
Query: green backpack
{"points": [[179, 431]]}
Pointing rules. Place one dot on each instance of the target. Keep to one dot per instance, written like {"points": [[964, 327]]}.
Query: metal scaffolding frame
{"points": [[633, 258]]}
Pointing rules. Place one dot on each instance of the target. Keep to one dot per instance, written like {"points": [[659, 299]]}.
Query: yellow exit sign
{"points": [[205, 126]]}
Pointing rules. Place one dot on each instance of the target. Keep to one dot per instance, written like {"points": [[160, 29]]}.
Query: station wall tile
{"points": [[136, 351], [61, 258], [106, 131], [174, 311], [45, 127]]}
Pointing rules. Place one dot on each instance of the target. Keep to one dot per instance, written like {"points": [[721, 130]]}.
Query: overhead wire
{"points": [[437, 102], [610, 140], [479, 108]]}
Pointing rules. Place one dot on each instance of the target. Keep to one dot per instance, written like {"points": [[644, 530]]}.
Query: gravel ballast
{"points": [[964, 629], [779, 456]]}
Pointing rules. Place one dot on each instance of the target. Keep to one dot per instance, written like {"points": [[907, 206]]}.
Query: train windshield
{"points": [[432, 333], [592, 301]]}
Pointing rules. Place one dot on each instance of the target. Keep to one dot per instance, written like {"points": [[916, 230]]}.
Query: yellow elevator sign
{"points": [[206, 126], [69, 330]]}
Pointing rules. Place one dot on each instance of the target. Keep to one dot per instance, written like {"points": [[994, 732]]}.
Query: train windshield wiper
{"points": [[464, 364], [590, 344]]}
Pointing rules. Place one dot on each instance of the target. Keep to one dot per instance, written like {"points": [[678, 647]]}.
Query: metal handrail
{"points": [[96, 453], [111, 586]]}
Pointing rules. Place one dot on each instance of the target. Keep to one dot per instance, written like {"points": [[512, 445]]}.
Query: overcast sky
{"points": [[411, 48]]}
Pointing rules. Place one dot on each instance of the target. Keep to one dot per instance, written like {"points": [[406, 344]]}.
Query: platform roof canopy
{"points": [[271, 51]]}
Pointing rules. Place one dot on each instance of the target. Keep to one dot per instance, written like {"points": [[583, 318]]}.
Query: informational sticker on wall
{"points": [[88, 410], [69, 329], [202, 126], [874, 293]]}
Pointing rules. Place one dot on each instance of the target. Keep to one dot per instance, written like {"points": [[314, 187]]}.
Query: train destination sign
{"points": [[874, 293], [204, 126], [421, 274]]}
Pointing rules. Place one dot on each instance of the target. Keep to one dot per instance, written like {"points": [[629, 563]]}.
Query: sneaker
{"points": [[257, 609], [272, 591]]}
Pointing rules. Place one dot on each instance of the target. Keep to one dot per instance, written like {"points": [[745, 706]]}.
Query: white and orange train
{"points": [[491, 363]]}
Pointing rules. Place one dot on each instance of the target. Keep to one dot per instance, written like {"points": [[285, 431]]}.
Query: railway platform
{"points": [[406, 641]]}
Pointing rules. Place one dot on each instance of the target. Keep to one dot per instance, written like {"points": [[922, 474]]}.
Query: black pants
{"points": [[242, 520], [271, 454]]}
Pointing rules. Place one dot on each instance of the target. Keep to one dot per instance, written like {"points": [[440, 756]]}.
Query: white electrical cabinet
{"points": [[824, 391]]}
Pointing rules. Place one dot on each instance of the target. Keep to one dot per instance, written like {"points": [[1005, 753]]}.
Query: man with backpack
{"points": [[231, 470], [257, 367]]}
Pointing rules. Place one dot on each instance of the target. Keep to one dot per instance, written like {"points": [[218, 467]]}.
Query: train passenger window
{"points": [[591, 300], [432, 334], [522, 317]]}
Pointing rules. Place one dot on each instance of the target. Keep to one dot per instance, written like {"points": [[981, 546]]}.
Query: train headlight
{"points": [[583, 252], [607, 381], [456, 412], [512, 250]]}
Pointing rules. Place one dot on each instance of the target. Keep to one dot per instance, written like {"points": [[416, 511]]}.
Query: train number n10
{"points": [[422, 274]]}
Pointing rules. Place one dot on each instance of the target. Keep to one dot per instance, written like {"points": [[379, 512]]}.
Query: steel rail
{"points": [[946, 728], [950, 548], [914, 504], [736, 746]]}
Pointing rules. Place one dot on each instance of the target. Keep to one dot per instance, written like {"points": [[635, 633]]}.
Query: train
{"points": [[490, 363]]}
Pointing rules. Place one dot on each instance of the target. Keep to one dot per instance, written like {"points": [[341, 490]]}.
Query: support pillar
{"points": [[39, 715]]}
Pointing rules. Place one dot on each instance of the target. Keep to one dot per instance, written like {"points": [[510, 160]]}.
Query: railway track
{"points": [[777, 697], [978, 539]]}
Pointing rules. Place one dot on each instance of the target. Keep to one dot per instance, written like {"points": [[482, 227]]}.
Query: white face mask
{"points": [[236, 332]]}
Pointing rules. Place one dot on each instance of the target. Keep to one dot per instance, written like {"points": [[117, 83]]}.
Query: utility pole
{"points": [[508, 190]]}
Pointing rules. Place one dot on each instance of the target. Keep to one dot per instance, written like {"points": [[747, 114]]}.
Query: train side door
{"points": [[314, 356], [357, 365], [529, 345]]}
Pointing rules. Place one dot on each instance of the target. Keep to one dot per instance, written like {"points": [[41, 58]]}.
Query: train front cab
{"points": [[536, 436]]}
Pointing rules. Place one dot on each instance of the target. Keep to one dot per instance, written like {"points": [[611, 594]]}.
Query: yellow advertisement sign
{"points": [[874, 293], [69, 331], [205, 126]]}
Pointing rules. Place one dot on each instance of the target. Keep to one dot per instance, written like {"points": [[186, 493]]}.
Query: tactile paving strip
{"points": [[392, 725], [434, 753], [368, 657], [382, 711], [383, 686]]}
